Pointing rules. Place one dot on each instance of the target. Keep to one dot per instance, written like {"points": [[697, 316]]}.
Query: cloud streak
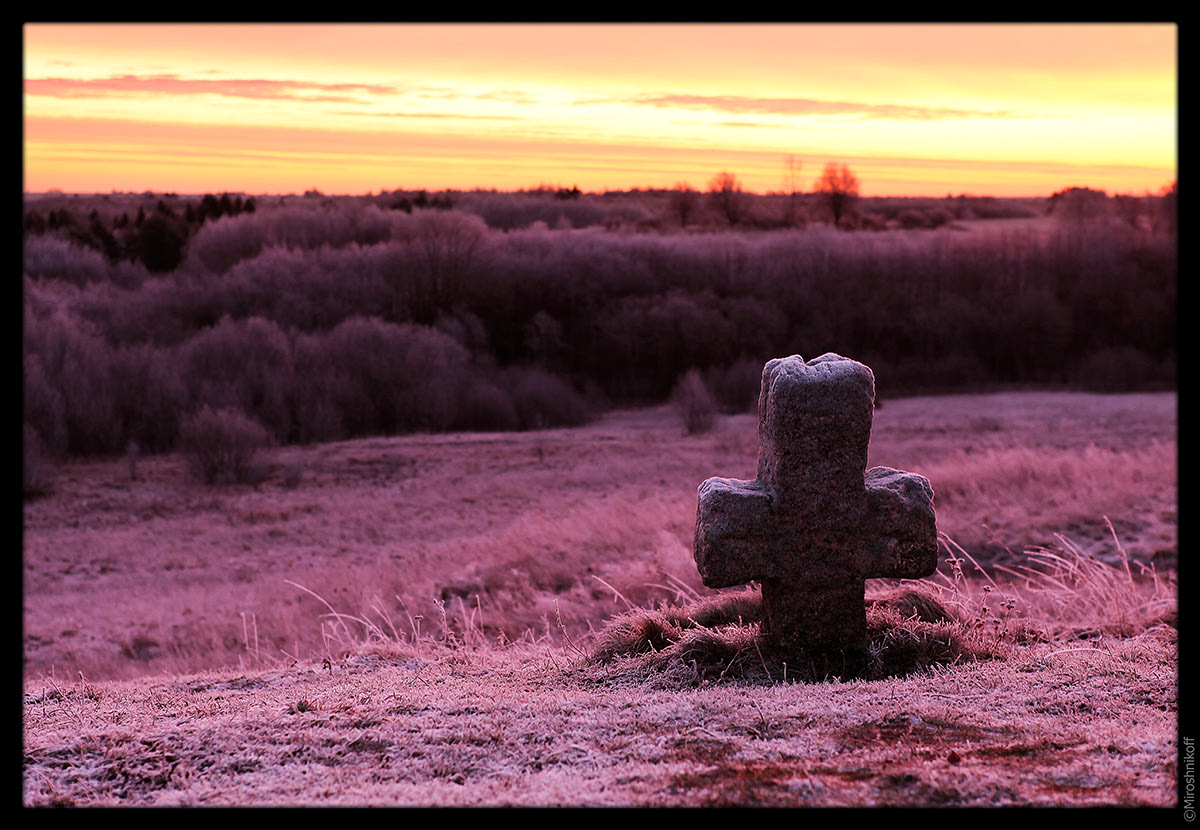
{"points": [[312, 91], [742, 104], [293, 91], [258, 89]]}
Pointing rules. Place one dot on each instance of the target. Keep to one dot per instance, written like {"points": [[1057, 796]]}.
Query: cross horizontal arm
{"points": [[901, 527], [734, 526]]}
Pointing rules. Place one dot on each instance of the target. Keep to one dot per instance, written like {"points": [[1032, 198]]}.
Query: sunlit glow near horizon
{"points": [[914, 110]]}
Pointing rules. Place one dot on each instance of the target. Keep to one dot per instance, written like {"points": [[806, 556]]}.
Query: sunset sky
{"points": [[914, 110]]}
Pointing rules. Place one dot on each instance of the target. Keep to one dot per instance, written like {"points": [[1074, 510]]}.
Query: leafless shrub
{"points": [[694, 402], [75, 366], [37, 475], [939, 217], [624, 314], [684, 202], [318, 389], [308, 290], [465, 328], [727, 198], [514, 211], [484, 406], [220, 245], [222, 446], [387, 378], [244, 364], [837, 191], [1119, 369], [150, 395], [736, 387], [1080, 205], [544, 400], [542, 337], [44, 407], [438, 249], [851, 221], [53, 257]]}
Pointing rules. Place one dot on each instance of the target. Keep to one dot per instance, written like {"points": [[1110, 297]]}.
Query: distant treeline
{"points": [[335, 318]]}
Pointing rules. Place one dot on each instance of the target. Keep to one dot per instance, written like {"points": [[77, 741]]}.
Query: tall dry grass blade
{"points": [[562, 629], [348, 639], [1120, 548], [616, 594]]}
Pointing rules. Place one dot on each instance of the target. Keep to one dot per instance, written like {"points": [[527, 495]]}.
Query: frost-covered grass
{"points": [[1003, 715]]}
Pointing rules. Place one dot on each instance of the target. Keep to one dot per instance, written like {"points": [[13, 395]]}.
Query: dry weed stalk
{"points": [[975, 611], [253, 651]]}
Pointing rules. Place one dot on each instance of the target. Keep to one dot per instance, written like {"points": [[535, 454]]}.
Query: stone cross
{"points": [[816, 523]]}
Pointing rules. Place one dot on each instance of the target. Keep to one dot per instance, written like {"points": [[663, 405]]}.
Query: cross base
{"points": [[815, 619]]}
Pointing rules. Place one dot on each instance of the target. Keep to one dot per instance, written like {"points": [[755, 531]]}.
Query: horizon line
{"points": [[533, 189]]}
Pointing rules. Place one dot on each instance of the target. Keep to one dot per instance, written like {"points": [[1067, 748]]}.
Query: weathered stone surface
{"points": [[816, 523]]}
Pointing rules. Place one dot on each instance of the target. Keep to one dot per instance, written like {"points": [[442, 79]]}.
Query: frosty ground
{"points": [[179, 647]]}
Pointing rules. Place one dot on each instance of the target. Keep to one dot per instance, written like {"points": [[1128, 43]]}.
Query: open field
{"points": [[179, 648], [124, 577]]}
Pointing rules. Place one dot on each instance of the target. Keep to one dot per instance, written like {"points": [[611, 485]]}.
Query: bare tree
{"points": [[432, 264], [725, 192], [791, 185], [694, 403], [1167, 214], [1078, 206], [838, 189], [684, 202]]}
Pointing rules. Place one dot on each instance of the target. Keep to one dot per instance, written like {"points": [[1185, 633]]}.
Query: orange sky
{"points": [[1002, 110]]}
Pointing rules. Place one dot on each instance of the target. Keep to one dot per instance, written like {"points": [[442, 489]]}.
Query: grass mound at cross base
{"points": [[720, 639]]}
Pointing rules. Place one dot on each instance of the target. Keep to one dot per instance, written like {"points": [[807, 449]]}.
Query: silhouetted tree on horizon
{"points": [[791, 182], [161, 242], [1168, 208], [838, 189], [684, 202], [725, 192], [1077, 205]]}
